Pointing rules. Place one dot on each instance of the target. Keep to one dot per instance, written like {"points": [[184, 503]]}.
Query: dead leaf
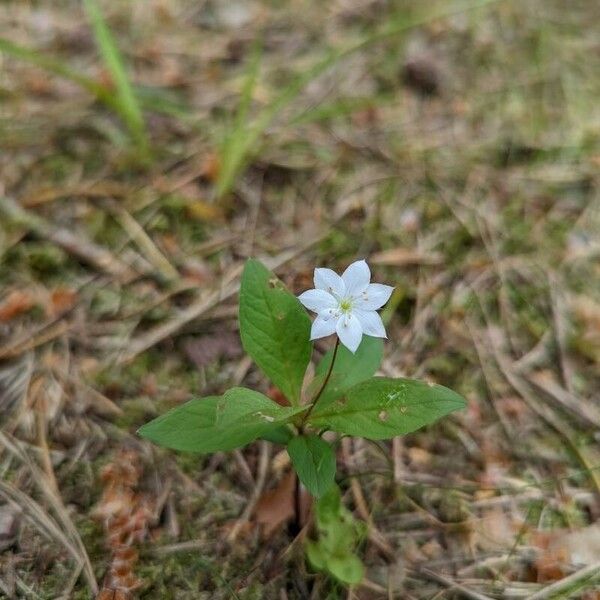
{"points": [[275, 507], [125, 515], [400, 257], [112, 594], [61, 300], [494, 531], [16, 303], [561, 550], [211, 167]]}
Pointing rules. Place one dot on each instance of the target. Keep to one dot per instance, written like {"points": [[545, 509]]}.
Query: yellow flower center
{"points": [[345, 305]]}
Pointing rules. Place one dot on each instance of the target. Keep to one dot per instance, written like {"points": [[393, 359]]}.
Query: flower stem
{"points": [[323, 385]]}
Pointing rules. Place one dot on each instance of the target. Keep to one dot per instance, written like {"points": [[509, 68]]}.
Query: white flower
{"points": [[346, 305]]}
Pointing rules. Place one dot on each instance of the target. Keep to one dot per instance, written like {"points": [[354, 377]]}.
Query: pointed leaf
{"points": [[382, 408], [314, 462], [348, 369], [348, 568], [217, 423], [250, 407], [275, 329]]}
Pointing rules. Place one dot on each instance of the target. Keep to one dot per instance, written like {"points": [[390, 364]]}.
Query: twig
{"points": [[263, 465]]}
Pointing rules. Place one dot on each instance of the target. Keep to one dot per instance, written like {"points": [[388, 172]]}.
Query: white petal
{"points": [[371, 323], [374, 296], [349, 331], [322, 328], [329, 313], [330, 281], [317, 300], [356, 278]]}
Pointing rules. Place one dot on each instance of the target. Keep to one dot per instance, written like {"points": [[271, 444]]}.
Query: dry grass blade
{"points": [[95, 255], [14, 382], [64, 531], [452, 585], [29, 341], [137, 233], [589, 459]]}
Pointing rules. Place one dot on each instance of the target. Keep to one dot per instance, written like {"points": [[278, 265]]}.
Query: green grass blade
{"points": [[239, 159], [152, 99], [58, 68], [235, 146], [129, 107]]}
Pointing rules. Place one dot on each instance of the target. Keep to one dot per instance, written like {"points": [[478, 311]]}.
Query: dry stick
{"points": [[91, 253], [263, 466], [563, 584]]}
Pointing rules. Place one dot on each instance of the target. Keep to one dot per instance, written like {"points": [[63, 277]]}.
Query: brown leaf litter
{"points": [[125, 516]]}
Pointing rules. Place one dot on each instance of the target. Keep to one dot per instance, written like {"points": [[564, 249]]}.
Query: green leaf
{"points": [[347, 568], [275, 329], [249, 407], [314, 462], [382, 408], [339, 534], [218, 423], [278, 435], [315, 555], [348, 369]]}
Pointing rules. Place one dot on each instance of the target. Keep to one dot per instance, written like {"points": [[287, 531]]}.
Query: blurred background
{"points": [[147, 149]]}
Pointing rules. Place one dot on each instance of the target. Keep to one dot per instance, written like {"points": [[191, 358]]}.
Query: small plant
{"points": [[344, 397]]}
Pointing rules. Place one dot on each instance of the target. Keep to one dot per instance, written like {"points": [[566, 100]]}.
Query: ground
{"points": [[456, 146]]}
